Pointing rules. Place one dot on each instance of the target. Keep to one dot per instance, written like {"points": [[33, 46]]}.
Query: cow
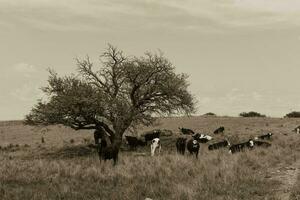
{"points": [[186, 131], [202, 138], [241, 146], [155, 143], [219, 130], [193, 146], [265, 136], [98, 133], [151, 136], [297, 130], [218, 145], [134, 142], [181, 145], [261, 144], [107, 152]]}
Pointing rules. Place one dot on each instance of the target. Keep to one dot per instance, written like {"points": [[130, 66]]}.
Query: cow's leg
{"points": [[152, 150]]}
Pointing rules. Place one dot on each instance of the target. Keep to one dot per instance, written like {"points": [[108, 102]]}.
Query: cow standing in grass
{"points": [[107, 151], [151, 136], [193, 147], [155, 144], [297, 130], [98, 134]]}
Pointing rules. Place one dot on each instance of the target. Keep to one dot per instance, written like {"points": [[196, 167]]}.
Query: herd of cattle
{"points": [[192, 144], [191, 141]]}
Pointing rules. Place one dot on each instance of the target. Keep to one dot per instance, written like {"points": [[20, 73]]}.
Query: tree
{"points": [[209, 114], [121, 94], [293, 114], [251, 114]]}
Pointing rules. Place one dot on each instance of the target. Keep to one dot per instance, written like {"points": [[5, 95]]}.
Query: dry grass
{"points": [[64, 167], [295, 195]]}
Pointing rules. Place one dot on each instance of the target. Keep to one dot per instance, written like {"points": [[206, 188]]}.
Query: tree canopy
{"points": [[294, 114], [120, 93], [251, 114]]}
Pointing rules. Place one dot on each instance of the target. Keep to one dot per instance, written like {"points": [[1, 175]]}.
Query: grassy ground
{"points": [[64, 167], [295, 195]]}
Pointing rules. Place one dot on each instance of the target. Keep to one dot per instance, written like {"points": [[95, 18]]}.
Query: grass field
{"points": [[64, 167]]}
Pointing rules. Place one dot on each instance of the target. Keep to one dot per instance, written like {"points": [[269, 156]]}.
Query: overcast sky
{"points": [[241, 55]]}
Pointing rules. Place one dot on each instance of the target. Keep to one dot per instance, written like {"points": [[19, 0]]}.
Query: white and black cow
{"points": [[219, 130], [155, 144], [186, 131], [297, 130], [193, 147], [218, 145], [241, 146], [202, 138], [151, 136], [265, 136], [181, 145]]}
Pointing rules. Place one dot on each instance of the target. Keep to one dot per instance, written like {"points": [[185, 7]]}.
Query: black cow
{"points": [[241, 146], [219, 145], [261, 144], [219, 130], [193, 146], [134, 142], [107, 152], [186, 131], [181, 145], [151, 136], [98, 134], [266, 136]]}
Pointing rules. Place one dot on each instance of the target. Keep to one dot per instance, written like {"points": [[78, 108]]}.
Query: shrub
{"points": [[210, 114], [251, 114], [293, 114]]}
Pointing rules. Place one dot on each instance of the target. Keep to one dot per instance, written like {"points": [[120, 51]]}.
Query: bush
{"points": [[251, 114], [293, 114], [210, 114]]}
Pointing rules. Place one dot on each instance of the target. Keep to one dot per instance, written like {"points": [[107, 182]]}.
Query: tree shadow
{"points": [[68, 152]]}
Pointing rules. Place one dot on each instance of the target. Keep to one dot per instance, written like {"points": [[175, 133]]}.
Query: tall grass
{"points": [[73, 171], [215, 175]]}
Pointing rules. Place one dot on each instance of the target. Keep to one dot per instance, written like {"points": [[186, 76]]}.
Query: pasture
{"points": [[59, 163]]}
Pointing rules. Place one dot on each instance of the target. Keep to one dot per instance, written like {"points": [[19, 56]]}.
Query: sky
{"points": [[241, 55]]}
